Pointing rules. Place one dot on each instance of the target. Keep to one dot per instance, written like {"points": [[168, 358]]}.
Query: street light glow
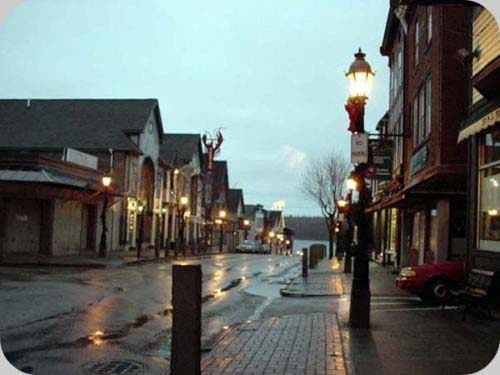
{"points": [[184, 200], [341, 203], [360, 77], [222, 214], [106, 181], [351, 184]]}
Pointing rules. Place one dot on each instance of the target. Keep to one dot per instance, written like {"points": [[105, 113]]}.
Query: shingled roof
{"points": [[87, 124], [178, 149], [235, 196]]}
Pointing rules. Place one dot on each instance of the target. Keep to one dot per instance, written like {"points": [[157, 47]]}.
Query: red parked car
{"points": [[432, 282]]}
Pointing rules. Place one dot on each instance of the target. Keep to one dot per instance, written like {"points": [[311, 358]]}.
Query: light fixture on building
{"points": [[164, 210], [184, 201], [271, 234], [222, 214], [493, 212], [218, 221], [176, 171], [140, 206]]}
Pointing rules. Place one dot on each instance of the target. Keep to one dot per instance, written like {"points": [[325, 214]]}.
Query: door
{"points": [[22, 226]]}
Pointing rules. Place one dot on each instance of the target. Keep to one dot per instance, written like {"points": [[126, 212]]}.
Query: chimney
{"points": [[28, 103]]}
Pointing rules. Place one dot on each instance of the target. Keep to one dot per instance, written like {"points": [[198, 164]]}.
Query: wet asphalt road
{"points": [[79, 317]]}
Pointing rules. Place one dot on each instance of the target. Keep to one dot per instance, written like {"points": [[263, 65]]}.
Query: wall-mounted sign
{"points": [[74, 156], [359, 148], [418, 160], [380, 159]]}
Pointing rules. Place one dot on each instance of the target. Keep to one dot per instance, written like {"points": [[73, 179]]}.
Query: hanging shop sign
{"points": [[359, 148], [380, 159], [418, 160]]}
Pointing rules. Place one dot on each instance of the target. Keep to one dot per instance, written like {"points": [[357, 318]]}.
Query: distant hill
{"points": [[308, 228]]}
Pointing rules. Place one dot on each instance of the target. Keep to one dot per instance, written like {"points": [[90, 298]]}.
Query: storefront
{"points": [[484, 228]]}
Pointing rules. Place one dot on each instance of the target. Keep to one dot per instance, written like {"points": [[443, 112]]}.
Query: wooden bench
{"points": [[482, 289]]}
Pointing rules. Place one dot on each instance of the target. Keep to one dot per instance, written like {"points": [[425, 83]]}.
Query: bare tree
{"points": [[322, 182]]}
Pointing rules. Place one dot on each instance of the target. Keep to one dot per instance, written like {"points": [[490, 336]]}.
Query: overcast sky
{"points": [[271, 73]]}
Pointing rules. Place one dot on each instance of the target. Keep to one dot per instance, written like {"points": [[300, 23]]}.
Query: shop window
{"points": [[418, 234], [417, 42], [489, 189], [429, 24]]}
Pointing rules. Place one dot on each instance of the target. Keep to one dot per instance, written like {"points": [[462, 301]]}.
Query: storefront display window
{"points": [[394, 230], [489, 188]]}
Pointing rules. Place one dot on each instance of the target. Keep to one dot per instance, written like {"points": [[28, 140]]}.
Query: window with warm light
{"points": [[489, 190]]}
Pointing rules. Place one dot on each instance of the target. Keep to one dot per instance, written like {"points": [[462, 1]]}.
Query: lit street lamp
{"points": [[246, 225], [140, 209], [106, 182], [360, 78], [220, 221], [162, 229], [182, 208]]}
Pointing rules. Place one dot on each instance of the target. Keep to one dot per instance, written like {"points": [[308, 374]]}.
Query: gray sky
{"points": [[270, 72]]}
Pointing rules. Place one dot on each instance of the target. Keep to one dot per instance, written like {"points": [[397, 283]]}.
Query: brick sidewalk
{"points": [[295, 344], [319, 284], [324, 280]]}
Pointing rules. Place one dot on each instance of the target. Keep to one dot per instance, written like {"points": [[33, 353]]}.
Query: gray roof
{"points": [[178, 149], [41, 176], [88, 124], [235, 196]]}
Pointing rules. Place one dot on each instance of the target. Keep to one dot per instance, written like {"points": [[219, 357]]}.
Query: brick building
{"points": [[425, 199]]}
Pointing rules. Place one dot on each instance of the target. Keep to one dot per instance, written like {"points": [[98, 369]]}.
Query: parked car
{"points": [[247, 247], [265, 248], [432, 282]]}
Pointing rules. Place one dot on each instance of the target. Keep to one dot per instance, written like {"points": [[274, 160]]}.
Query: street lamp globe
{"points": [[246, 222], [106, 181], [140, 206], [222, 214], [351, 184], [271, 234], [341, 203], [184, 201], [360, 77]]}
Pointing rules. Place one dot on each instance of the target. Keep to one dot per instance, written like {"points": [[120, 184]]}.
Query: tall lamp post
{"points": [[341, 209], [246, 225], [162, 237], [140, 209], [182, 208], [106, 182], [351, 186], [220, 221], [360, 78]]}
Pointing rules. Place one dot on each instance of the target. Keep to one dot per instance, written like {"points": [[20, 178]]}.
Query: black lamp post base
{"points": [[359, 311]]}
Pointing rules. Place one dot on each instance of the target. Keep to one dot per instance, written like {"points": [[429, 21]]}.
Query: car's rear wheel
{"points": [[437, 290]]}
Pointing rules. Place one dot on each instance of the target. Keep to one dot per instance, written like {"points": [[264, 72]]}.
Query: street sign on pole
{"points": [[359, 148]]}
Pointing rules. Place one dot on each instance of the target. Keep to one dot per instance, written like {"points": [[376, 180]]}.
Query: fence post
{"points": [[304, 262], [186, 320]]}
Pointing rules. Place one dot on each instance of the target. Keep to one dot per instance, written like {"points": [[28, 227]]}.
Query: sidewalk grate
{"points": [[115, 367]]}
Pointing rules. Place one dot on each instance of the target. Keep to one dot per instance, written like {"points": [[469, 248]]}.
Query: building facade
{"points": [[422, 207], [481, 133]]}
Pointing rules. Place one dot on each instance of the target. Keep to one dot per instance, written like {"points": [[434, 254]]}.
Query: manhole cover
{"points": [[117, 366]]}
